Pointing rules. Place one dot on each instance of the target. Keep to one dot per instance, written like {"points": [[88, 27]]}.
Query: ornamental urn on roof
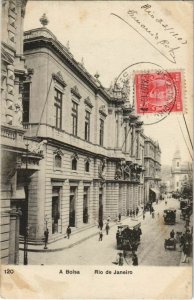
{"points": [[44, 20]]}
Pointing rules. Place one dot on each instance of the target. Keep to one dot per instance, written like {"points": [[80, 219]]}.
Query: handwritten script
{"points": [[165, 46]]}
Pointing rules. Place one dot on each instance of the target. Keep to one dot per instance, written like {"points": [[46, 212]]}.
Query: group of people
{"points": [[120, 259], [107, 227], [186, 244], [131, 234], [132, 212]]}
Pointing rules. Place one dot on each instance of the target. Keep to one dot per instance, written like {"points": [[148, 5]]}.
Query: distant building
{"points": [[152, 175], [181, 171]]}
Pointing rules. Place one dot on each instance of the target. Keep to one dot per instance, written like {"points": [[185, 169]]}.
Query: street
{"points": [[150, 252]]}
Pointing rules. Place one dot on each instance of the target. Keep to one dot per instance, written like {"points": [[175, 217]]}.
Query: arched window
{"points": [[58, 161], [74, 164], [87, 166]]}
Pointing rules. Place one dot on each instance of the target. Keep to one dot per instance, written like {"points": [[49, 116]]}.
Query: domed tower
{"points": [[176, 171], [176, 161]]}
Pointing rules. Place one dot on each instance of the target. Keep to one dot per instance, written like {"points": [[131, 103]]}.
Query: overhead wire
{"points": [[187, 131], [184, 139]]}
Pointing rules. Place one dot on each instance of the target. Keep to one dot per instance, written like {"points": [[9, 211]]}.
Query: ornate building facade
{"points": [[72, 151], [16, 167], [93, 145], [152, 170]]}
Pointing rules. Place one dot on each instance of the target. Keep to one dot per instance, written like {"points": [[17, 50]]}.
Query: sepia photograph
{"points": [[96, 138]]}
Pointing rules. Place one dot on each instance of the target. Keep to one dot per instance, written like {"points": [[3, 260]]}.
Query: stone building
{"points": [[16, 164], [92, 142], [72, 151], [152, 170], [181, 172]]}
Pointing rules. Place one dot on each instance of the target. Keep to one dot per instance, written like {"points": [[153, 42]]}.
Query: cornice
{"points": [[38, 38]]}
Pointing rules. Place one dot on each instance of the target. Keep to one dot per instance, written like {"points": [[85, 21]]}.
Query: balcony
{"points": [[12, 136]]}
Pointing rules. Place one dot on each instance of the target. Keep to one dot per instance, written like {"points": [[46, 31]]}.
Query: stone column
{"points": [[91, 203]]}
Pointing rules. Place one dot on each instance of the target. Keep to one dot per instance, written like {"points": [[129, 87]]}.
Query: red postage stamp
{"points": [[158, 92]]}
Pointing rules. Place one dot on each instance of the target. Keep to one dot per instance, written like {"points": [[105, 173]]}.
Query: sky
{"points": [[108, 46]]}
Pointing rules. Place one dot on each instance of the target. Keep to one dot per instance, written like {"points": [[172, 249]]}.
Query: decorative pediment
{"points": [[87, 159], [59, 78], [58, 152], [76, 92], [74, 156], [102, 110], [88, 102]]}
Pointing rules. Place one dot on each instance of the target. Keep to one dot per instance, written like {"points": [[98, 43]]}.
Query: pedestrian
{"points": [[166, 202], [186, 252], [187, 220], [107, 228], [139, 233], [134, 259], [153, 215], [46, 235], [119, 217], [128, 213], [143, 215], [100, 235], [100, 224], [120, 259], [68, 231], [108, 219], [172, 233], [137, 211]]}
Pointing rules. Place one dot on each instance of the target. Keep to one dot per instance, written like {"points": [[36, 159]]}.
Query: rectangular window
{"points": [[55, 208], [58, 109], [74, 118], [125, 129], [101, 132], [85, 205], [87, 126], [26, 101], [72, 206]]}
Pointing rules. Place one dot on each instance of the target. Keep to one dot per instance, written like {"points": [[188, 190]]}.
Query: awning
{"points": [[157, 192]]}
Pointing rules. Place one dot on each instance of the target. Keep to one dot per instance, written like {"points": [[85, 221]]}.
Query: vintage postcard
{"points": [[96, 149]]}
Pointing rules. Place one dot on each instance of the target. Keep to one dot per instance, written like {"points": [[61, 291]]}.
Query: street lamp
{"points": [[26, 213]]}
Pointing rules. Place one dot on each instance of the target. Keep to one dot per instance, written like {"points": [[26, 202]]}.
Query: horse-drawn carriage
{"points": [[169, 216], [128, 237], [170, 244]]}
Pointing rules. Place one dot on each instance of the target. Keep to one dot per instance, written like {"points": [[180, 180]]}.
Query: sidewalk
{"points": [[75, 239]]}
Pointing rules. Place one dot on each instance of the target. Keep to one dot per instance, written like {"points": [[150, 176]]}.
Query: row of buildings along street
{"points": [[73, 152]]}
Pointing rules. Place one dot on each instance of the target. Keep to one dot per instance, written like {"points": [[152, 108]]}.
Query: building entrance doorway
{"points": [[72, 202], [55, 209], [152, 196], [85, 205], [100, 214], [21, 205]]}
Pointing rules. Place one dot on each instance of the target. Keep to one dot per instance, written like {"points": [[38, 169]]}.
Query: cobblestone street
{"points": [[151, 251]]}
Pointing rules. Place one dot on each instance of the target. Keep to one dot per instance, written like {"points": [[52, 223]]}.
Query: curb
{"points": [[69, 246], [62, 248]]}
